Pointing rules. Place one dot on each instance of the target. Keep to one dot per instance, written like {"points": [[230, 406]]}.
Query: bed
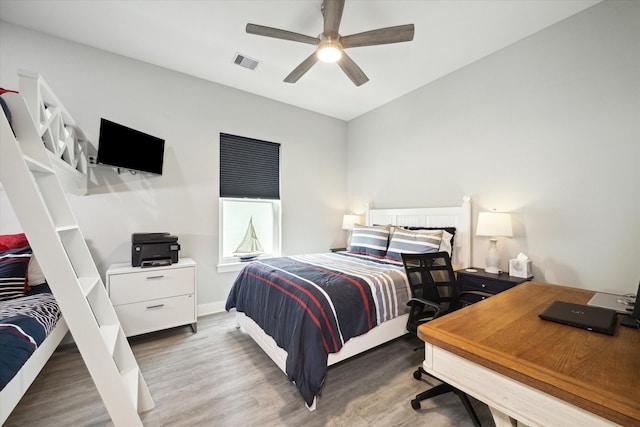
{"points": [[270, 295], [31, 325]]}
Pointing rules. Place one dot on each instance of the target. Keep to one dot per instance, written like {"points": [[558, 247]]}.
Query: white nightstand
{"points": [[153, 298]]}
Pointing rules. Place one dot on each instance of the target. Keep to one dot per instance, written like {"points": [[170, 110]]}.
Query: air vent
{"points": [[245, 61]]}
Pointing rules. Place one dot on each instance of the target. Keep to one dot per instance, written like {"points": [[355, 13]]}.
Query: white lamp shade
{"points": [[348, 221], [494, 224]]}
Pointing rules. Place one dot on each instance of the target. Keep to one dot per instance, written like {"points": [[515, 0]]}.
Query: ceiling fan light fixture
{"points": [[329, 52], [329, 44]]}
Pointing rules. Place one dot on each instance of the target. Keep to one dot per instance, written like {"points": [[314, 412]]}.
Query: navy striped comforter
{"points": [[25, 322], [312, 304]]}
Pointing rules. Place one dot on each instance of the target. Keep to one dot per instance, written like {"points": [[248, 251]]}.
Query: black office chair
{"points": [[434, 293]]}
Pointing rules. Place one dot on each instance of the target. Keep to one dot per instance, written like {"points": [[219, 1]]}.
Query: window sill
{"points": [[226, 267], [231, 266]]}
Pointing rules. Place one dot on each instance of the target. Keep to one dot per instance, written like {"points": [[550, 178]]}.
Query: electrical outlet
{"points": [[93, 160]]}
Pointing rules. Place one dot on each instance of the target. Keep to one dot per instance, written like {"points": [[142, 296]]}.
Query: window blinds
{"points": [[249, 168]]}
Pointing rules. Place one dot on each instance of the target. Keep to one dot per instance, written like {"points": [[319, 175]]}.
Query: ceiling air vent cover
{"points": [[245, 61]]}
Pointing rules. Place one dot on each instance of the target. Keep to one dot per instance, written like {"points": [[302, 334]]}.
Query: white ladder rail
{"points": [[40, 204]]}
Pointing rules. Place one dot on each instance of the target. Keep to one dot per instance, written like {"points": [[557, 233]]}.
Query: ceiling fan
{"points": [[330, 44]]}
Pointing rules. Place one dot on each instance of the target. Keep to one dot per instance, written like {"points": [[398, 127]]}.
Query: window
{"points": [[249, 193], [235, 217]]}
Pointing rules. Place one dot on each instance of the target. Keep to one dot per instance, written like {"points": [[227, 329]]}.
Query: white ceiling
{"points": [[201, 38]]}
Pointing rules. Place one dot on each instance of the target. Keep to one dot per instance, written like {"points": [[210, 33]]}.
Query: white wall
{"points": [[189, 114], [548, 128]]}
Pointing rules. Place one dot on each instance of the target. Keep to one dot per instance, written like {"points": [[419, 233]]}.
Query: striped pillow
{"points": [[413, 242], [13, 272], [369, 240]]}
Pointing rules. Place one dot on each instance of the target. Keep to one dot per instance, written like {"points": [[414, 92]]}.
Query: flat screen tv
{"points": [[127, 148]]}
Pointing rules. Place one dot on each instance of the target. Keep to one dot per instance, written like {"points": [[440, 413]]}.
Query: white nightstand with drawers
{"points": [[153, 298]]}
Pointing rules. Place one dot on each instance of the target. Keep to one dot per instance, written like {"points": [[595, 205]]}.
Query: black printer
{"points": [[153, 249]]}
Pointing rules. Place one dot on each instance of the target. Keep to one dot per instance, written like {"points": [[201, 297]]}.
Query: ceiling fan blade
{"points": [[400, 33], [352, 70], [332, 12], [276, 33], [299, 71]]}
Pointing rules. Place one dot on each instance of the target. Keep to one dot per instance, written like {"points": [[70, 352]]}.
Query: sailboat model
{"points": [[250, 246]]}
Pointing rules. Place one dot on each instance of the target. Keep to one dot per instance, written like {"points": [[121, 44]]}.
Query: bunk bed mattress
{"points": [[25, 322], [311, 305]]}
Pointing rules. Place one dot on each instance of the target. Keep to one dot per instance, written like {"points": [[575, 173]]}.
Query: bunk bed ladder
{"points": [[34, 191]]}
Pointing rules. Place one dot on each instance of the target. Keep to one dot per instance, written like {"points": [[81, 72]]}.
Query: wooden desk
{"points": [[535, 371]]}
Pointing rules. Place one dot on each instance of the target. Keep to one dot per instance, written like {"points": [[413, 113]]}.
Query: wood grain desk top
{"points": [[597, 372]]}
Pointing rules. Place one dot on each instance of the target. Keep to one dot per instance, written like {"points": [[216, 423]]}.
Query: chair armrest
{"points": [[425, 302]]}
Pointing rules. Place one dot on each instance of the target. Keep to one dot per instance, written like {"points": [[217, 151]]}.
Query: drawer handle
{"points": [[151, 307], [155, 277]]}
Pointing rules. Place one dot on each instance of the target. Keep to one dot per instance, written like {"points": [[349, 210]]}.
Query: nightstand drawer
{"points": [[147, 316], [150, 285], [471, 299], [479, 280], [482, 284]]}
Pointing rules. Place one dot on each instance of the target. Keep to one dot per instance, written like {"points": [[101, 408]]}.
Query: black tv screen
{"points": [[127, 148]]}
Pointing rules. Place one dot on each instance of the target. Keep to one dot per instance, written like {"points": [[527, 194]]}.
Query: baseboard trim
{"points": [[211, 308]]}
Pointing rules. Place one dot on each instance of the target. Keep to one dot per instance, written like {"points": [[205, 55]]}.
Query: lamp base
{"points": [[493, 258]]}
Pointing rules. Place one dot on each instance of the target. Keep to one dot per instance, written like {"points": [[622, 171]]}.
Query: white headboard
{"points": [[456, 216]]}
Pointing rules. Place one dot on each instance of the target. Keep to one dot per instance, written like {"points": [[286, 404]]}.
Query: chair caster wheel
{"points": [[415, 404], [417, 375]]}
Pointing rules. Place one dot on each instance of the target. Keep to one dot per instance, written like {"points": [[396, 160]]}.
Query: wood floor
{"points": [[220, 377]]}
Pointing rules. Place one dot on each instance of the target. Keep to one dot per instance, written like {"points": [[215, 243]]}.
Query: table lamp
{"points": [[348, 221], [494, 224]]}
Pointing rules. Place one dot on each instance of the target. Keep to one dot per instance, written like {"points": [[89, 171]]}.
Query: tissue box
{"points": [[519, 268]]}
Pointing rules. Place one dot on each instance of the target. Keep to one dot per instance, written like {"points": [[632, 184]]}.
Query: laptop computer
{"points": [[620, 303], [596, 319]]}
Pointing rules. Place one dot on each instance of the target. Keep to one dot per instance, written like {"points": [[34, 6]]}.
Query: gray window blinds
{"points": [[249, 168]]}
